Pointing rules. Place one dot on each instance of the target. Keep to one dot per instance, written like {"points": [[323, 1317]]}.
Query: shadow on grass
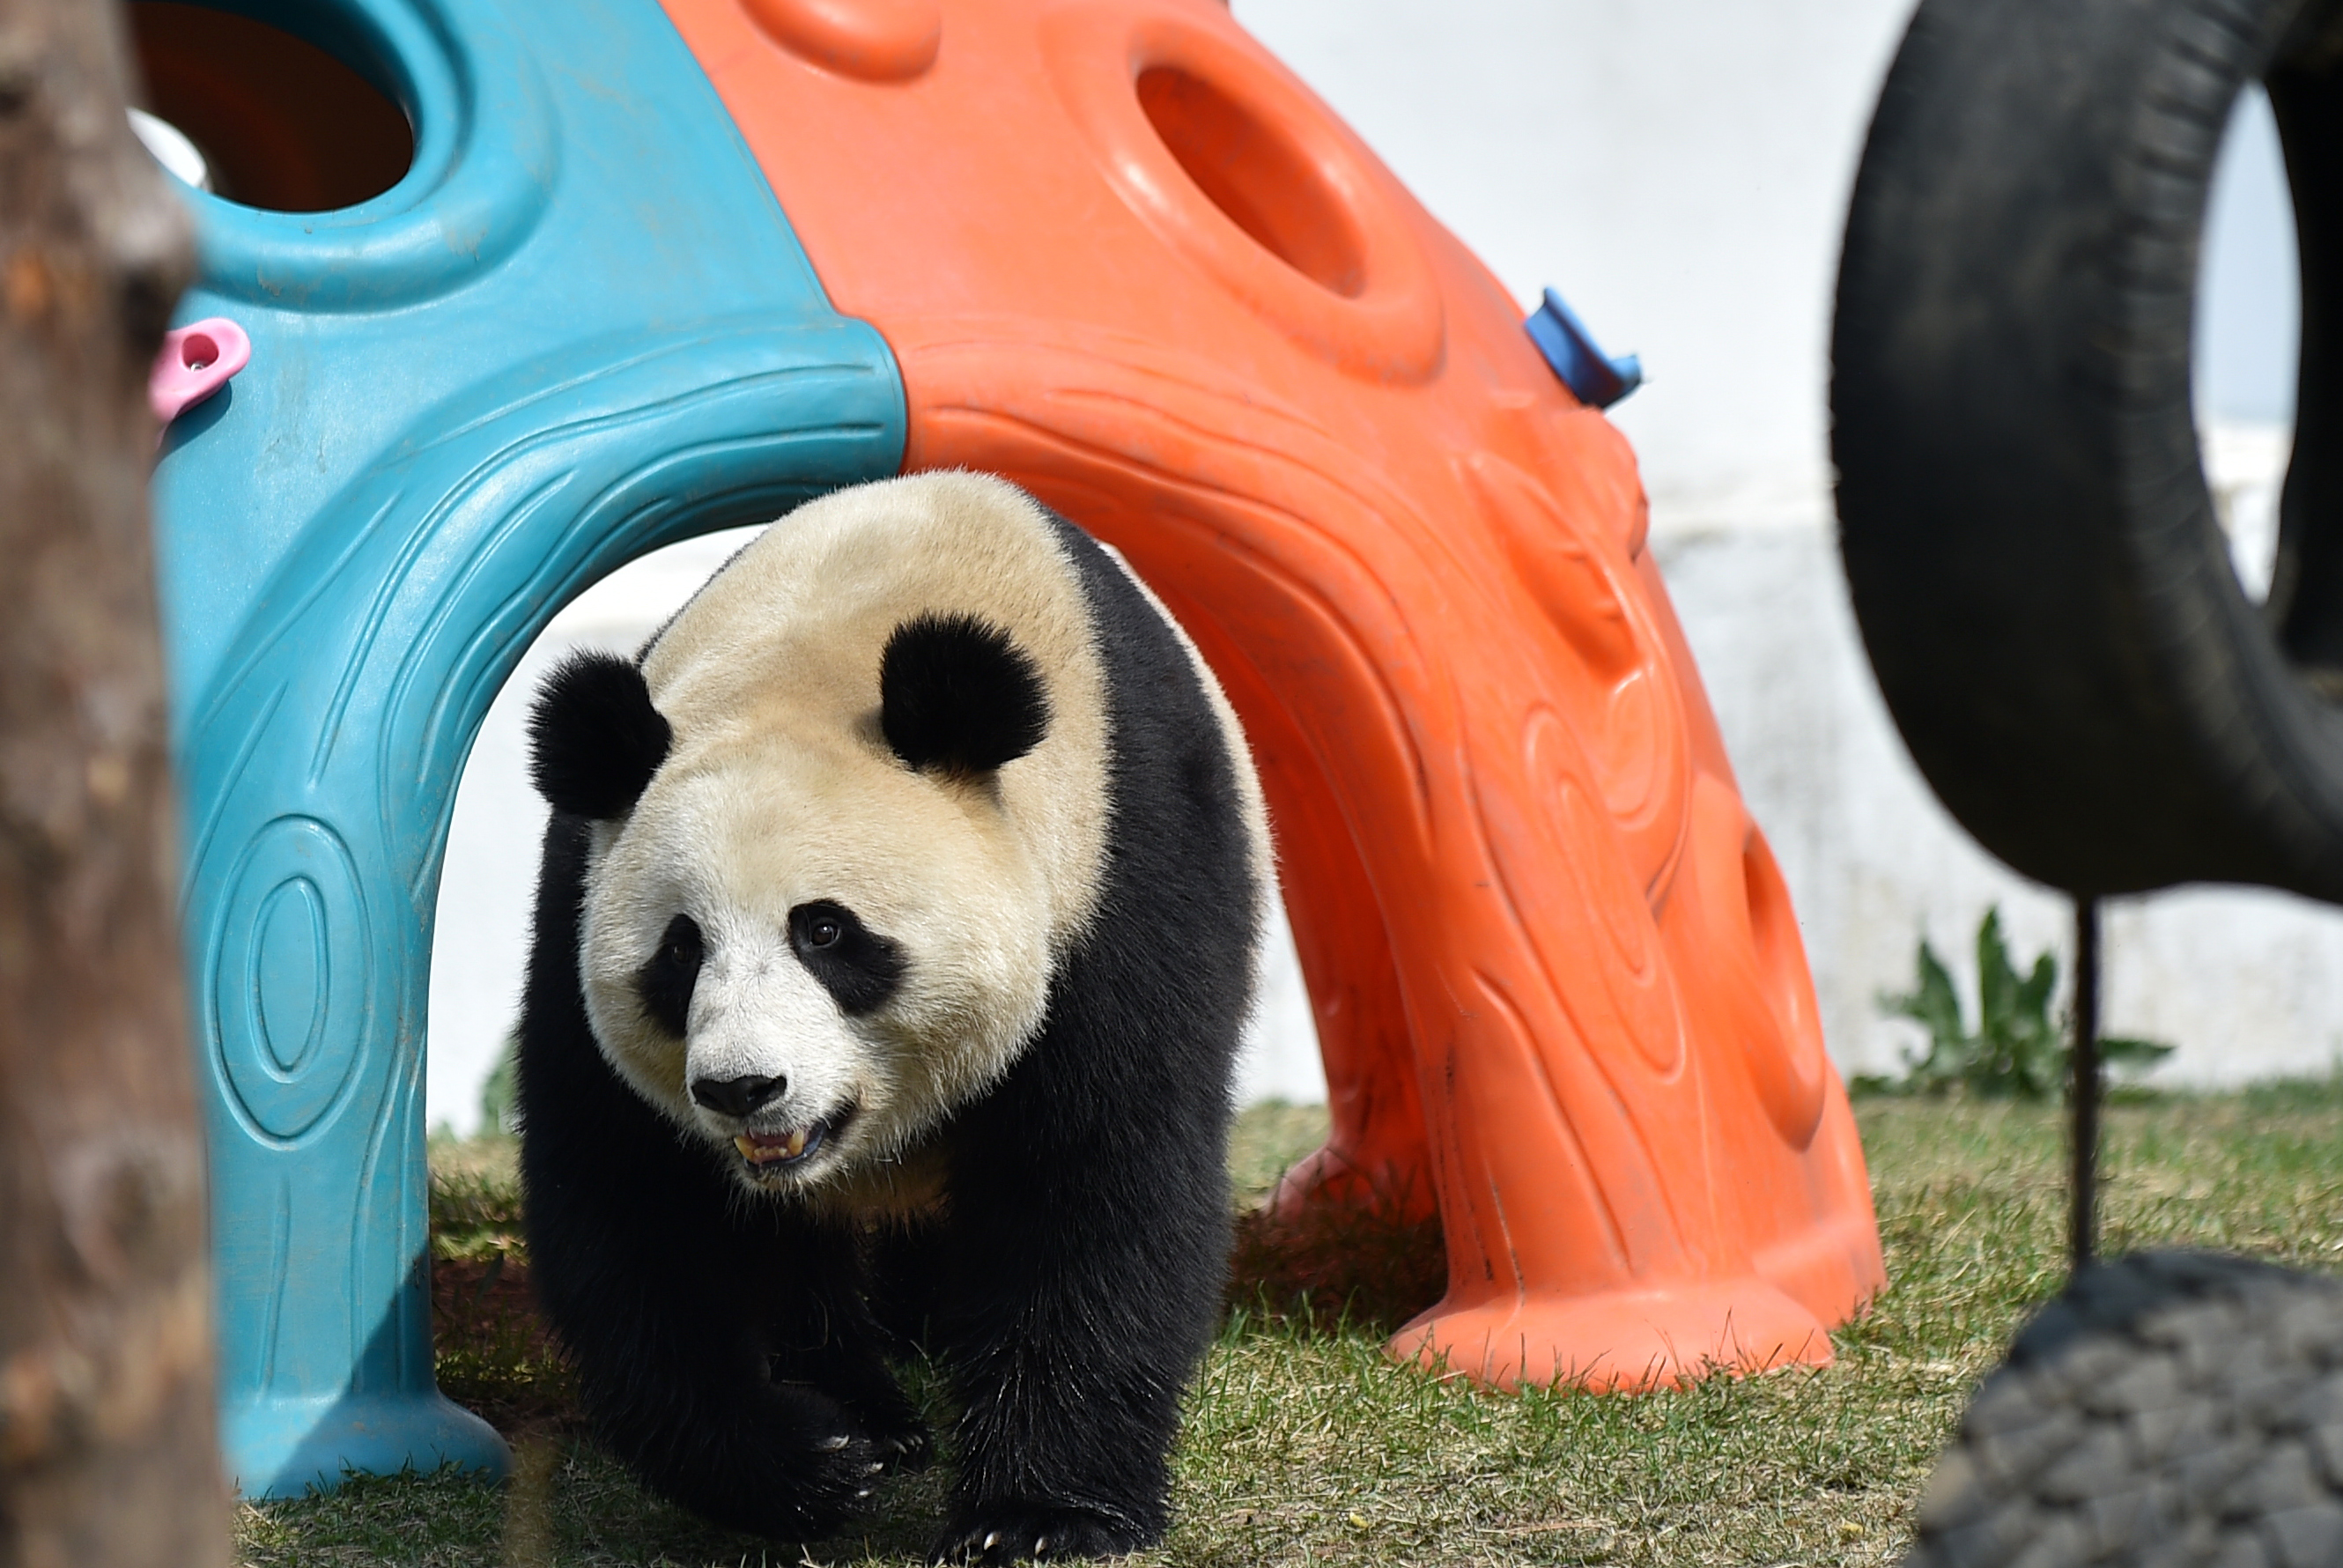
{"points": [[1367, 1269]]}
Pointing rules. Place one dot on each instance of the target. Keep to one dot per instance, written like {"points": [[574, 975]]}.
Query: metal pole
{"points": [[2083, 1091]]}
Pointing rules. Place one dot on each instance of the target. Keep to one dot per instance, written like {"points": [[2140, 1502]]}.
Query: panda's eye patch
{"points": [[666, 982], [860, 968]]}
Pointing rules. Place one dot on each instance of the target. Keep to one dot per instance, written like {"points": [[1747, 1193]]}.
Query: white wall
{"points": [[1679, 168]]}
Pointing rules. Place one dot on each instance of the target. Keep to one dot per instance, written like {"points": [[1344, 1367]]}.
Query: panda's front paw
{"points": [[814, 1473], [793, 1465], [1035, 1533], [905, 1451]]}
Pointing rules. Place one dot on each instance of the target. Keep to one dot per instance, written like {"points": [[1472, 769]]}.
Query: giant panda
{"points": [[899, 914]]}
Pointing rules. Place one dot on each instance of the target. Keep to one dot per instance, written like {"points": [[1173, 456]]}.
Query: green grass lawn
{"points": [[1304, 1445]]}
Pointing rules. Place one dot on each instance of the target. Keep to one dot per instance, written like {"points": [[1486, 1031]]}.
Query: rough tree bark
{"points": [[107, 1451]]}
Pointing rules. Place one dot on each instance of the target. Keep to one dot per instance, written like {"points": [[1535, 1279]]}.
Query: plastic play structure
{"points": [[641, 274]]}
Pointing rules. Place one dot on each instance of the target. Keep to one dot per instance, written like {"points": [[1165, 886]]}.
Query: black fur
{"points": [[666, 982], [859, 968], [595, 740], [732, 1351], [955, 694]]}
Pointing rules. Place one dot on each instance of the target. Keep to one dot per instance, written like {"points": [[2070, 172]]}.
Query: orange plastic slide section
{"points": [[1125, 258]]}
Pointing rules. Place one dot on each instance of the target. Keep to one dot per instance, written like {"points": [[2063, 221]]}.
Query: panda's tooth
{"points": [[771, 1148]]}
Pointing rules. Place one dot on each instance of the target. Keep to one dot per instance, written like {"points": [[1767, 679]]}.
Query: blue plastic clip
{"points": [[1569, 349]]}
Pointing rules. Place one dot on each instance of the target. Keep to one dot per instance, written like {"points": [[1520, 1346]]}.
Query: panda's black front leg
{"points": [[825, 1336], [684, 1383], [1082, 1286], [772, 1409]]}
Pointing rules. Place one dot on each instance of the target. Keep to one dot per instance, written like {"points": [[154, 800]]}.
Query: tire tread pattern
{"points": [[2171, 1409]]}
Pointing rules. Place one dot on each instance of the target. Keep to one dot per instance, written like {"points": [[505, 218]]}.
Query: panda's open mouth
{"points": [[785, 1148]]}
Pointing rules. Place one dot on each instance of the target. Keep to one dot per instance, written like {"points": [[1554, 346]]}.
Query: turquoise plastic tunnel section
{"points": [[578, 328]]}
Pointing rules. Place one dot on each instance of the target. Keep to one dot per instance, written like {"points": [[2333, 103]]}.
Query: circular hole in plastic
{"points": [[198, 352], [1781, 957], [280, 123], [1257, 176], [1792, 1084]]}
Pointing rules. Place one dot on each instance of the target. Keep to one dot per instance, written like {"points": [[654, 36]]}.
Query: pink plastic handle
{"points": [[197, 361]]}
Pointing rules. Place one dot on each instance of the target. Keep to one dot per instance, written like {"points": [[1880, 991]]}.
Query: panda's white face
{"points": [[810, 955], [830, 918]]}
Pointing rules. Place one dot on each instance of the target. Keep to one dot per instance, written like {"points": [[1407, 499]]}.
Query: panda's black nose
{"points": [[737, 1096]]}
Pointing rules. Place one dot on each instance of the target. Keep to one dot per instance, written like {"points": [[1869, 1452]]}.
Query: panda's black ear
{"points": [[594, 738], [955, 694]]}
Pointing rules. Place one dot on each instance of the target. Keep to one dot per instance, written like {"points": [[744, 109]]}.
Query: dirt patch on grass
{"points": [[494, 1353]]}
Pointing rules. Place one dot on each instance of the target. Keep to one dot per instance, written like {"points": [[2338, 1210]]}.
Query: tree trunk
{"points": [[107, 1452]]}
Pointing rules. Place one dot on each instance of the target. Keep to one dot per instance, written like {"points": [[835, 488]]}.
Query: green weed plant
{"points": [[2019, 1049]]}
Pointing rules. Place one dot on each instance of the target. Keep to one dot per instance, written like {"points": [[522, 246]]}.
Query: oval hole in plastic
{"points": [[1256, 176]]}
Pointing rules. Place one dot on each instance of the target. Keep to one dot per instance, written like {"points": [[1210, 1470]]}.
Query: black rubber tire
{"points": [[2032, 551], [2170, 1410]]}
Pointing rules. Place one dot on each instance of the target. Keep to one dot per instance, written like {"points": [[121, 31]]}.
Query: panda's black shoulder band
{"points": [[595, 740], [958, 695]]}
